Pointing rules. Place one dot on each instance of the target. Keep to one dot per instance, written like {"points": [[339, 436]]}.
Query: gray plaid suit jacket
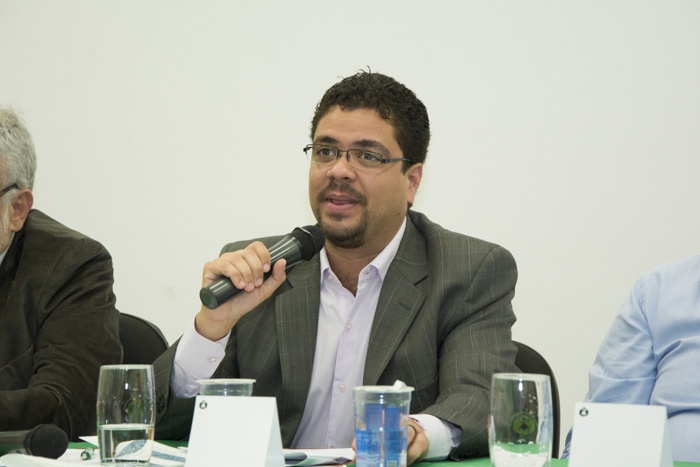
{"points": [[442, 325]]}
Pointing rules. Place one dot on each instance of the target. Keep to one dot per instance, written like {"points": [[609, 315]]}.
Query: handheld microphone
{"points": [[42, 440], [300, 245]]}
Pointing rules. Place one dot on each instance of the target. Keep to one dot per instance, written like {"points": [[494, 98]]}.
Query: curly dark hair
{"points": [[392, 100]]}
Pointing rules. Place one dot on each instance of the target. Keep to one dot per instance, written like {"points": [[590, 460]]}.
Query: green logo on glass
{"points": [[524, 423]]}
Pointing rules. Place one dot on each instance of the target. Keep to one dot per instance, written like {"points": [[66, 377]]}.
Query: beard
{"points": [[351, 236]]}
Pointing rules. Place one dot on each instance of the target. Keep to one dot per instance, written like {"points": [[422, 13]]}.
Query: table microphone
{"points": [[42, 440], [299, 245]]}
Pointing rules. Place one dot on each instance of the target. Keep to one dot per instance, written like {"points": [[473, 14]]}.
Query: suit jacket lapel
{"points": [[296, 314], [399, 302]]}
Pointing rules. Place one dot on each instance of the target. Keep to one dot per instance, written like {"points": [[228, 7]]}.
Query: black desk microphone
{"points": [[42, 440]]}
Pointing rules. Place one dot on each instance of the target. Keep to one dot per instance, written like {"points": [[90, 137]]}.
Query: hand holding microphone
{"points": [[300, 245]]}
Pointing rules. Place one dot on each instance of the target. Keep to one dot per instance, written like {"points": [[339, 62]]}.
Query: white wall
{"points": [[567, 131]]}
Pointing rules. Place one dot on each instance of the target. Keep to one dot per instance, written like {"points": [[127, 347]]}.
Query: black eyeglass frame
{"points": [[339, 154], [8, 189]]}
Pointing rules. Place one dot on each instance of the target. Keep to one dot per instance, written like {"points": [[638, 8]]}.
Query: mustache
{"points": [[343, 188]]}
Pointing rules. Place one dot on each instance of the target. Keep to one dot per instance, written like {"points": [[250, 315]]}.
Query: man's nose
{"points": [[341, 168]]}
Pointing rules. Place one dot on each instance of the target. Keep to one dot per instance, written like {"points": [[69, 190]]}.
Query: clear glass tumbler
{"points": [[520, 421], [381, 425], [125, 415], [226, 387]]}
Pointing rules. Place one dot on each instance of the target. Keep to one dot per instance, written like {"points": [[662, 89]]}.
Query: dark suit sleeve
{"points": [[477, 344], [77, 331], [174, 414]]}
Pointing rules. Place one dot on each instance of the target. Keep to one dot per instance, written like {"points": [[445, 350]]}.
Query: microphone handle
{"points": [[13, 442], [214, 294]]}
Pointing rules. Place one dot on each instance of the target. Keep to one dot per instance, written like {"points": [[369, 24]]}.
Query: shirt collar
{"points": [[383, 260]]}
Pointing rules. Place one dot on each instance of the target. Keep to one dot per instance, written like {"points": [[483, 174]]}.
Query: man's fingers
{"points": [[276, 279], [245, 268], [417, 443], [412, 433]]}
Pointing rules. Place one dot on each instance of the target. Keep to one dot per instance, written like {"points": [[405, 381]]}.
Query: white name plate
{"points": [[612, 435], [235, 430]]}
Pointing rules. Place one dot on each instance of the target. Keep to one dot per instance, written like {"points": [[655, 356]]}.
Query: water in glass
{"points": [[126, 444]]}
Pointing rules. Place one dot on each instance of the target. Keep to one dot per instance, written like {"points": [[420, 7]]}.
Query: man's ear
{"points": [[19, 209], [414, 174]]}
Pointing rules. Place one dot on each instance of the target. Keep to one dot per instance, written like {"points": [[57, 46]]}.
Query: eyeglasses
{"points": [[358, 158], [9, 188]]}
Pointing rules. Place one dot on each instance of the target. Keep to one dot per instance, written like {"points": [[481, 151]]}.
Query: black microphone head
{"points": [[311, 239], [46, 441]]}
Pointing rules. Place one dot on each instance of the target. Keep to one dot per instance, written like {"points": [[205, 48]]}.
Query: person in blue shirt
{"points": [[651, 353]]}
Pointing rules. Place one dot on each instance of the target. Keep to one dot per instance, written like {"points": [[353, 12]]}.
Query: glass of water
{"points": [[381, 425], [520, 421], [125, 414], [226, 387]]}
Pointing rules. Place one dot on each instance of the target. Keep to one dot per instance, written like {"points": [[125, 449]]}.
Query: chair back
{"points": [[528, 360], [141, 340]]}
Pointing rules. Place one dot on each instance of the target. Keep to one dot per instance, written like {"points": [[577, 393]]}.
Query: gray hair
{"points": [[17, 156]]}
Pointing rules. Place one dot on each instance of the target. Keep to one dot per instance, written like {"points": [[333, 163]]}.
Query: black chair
{"points": [[528, 360], [142, 340]]}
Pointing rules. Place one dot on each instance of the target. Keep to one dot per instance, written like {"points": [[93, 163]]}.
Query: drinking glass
{"points": [[520, 421], [381, 425], [125, 414], [226, 387]]}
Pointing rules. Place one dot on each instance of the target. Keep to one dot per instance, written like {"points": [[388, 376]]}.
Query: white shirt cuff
{"points": [[442, 436], [196, 357]]}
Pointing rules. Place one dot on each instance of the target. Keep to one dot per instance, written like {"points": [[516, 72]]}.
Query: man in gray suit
{"points": [[392, 296], [58, 321]]}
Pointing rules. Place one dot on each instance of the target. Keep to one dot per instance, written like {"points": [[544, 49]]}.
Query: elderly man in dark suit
{"points": [[58, 321], [391, 296]]}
